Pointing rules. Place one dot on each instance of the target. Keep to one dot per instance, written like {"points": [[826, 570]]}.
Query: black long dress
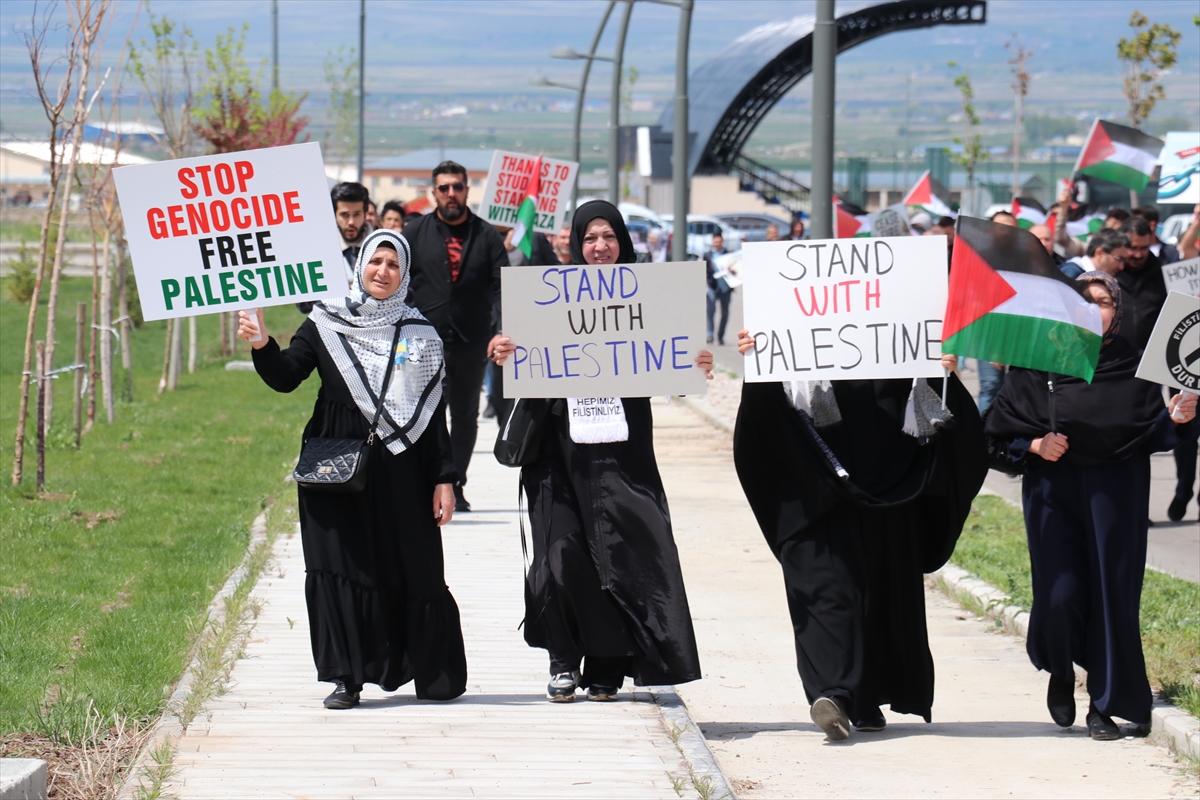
{"points": [[378, 606], [854, 551], [605, 581], [1086, 518]]}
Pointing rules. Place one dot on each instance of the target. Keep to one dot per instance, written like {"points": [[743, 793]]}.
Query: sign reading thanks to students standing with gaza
{"points": [[231, 231], [508, 181], [1172, 356], [604, 331], [844, 308]]}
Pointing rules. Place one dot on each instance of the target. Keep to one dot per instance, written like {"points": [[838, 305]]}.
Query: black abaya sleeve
{"points": [[434, 448], [284, 370]]}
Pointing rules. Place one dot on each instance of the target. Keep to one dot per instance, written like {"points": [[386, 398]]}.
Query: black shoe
{"points": [[1060, 699], [871, 720], [1178, 508], [341, 698], [721, 341], [1100, 727], [1141, 730], [461, 506], [602, 694], [562, 686], [489, 412], [829, 715]]}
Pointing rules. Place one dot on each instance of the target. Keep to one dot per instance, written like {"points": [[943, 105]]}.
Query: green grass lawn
{"points": [[105, 579], [993, 548]]}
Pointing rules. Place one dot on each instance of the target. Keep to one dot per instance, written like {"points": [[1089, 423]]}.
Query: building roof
{"points": [[89, 153], [130, 128], [475, 160]]}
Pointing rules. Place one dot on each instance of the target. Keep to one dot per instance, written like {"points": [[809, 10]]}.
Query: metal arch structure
{"points": [[732, 92]]}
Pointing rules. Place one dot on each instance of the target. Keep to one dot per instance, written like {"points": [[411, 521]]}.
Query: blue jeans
{"points": [[714, 297], [990, 381]]}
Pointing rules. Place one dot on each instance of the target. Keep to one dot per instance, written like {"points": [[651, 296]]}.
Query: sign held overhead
{"points": [[507, 181]]}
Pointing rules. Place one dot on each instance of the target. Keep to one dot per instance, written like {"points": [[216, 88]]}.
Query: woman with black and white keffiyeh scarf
{"points": [[378, 605]]}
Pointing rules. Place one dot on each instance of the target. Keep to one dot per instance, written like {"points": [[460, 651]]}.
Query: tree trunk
{"points": [[106, 329], [166, 368], [224, 334], [176, 362], [126, 322], [79, 374], [41, 415], [30, 326], [191, 345], [92, 363], [1017, 146]]}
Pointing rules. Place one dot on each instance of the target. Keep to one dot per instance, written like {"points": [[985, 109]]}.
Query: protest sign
{"points": [[1172, 356], [1179, 179], [844, 309], [231, 231], [509, 178], [1183, 276], [604, 331]]}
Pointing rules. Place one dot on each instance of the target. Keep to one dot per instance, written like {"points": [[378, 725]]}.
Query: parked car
{"points": [[632, 212], [700, 230], [753, 227]]}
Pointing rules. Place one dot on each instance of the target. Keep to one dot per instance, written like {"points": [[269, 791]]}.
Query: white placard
{"points": [[842, 309], [1172, 356], [508, 180], [604, 331], [231, 231], [1179, 179], [1183, 276]]}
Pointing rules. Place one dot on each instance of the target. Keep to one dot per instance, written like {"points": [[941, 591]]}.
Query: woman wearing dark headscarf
{"points": [[857, 505], [379, 609], [1085, 451], [604, 594]]}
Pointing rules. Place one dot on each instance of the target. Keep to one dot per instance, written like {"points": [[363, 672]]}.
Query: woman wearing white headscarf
{"points": [[378, 606]]}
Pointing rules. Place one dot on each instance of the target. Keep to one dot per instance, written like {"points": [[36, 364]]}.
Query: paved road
{"points": [[1174, 547]]}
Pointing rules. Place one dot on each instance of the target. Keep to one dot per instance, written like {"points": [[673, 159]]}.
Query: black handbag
{"points": [[340, 465], [518, 439]]}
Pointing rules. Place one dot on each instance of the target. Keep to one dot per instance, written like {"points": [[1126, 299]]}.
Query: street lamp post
{"points": [[362, 58], [824, 49], [614, 115]]}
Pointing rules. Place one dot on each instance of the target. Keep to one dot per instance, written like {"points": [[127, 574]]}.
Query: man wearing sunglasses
{"points": [[456, 265]]}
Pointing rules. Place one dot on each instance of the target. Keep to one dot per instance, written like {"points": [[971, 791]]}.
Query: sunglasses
{"points": [[446, 187]]}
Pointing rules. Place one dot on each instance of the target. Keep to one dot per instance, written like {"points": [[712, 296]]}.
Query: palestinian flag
{"points": [[1027, 215], [848, 225], [523, 232], [1119, 154], [1009, 303], [930, 196], [1083, 229]]}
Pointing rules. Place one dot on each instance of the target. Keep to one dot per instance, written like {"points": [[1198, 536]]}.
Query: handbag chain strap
{"points": [[387, 376]]}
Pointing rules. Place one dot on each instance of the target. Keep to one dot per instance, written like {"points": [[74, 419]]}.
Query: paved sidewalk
{"points": [[991, 734], [269, 736]]}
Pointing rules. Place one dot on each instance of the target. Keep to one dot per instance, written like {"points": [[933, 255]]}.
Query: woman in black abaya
{"points": [[1086, 495], [604, 594], [857, 510], [379, 609]]}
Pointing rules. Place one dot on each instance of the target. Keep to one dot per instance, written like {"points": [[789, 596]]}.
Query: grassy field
{"points": [[993, 547], [105, 578]]}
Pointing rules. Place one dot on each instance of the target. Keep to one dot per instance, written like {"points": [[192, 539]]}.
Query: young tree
{"points": [[972, 143], [165, 69], [1020, 87], [1152, 50], [54, 104]]}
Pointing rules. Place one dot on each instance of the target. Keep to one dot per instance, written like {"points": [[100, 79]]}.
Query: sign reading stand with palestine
{"points": [[231, 231], [1172, 356], [508, 180], [605, 330], [844, 309]]}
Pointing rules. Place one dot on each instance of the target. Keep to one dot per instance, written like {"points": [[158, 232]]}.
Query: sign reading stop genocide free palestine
{"points": [[508, 180], [231, 231], [845, 309]]}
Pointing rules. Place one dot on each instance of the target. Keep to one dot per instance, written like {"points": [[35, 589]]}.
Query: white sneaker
{"points": [[562, 686]]}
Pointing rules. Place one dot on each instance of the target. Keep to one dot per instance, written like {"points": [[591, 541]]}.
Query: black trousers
{"points": [[1185, 468], [465, 363]]}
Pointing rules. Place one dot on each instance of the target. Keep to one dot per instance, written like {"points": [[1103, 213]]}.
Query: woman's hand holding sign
{"points": [[252, 330]]}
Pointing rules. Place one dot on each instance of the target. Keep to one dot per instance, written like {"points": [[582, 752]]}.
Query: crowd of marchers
{"points": [[855, 506]]}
